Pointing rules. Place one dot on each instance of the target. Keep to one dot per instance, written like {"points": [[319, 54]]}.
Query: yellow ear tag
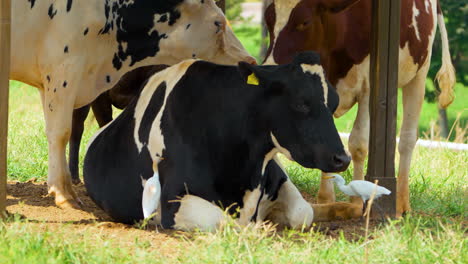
{"points": [[252, 79]]}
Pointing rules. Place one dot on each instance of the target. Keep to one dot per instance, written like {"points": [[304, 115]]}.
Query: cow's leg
{"points": [[102, 109], [291, 208], [413, 97], [58, 112], [359, 140], [197, 213], [181, 210], [326, 192], [79, 117]]}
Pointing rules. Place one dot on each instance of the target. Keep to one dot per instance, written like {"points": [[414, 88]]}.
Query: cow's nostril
{"points": [[341, 160]]}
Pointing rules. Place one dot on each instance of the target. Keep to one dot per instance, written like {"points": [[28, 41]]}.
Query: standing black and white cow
{"points": [[214, 131], [72, 51]]}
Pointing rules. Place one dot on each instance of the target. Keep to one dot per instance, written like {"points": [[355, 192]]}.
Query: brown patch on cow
{"points": [[409, 33], [342, 39]]}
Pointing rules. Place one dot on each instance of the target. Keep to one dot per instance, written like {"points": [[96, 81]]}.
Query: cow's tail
{"points": [[446, 75]]}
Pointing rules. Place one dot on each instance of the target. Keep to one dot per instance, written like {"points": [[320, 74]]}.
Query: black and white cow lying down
{"points": [[72, 51], [212, 132]]}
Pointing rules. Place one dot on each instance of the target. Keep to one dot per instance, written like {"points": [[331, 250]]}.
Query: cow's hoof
{"points": [[65, 204], [76, 181], [402, 210], [66, 200]]}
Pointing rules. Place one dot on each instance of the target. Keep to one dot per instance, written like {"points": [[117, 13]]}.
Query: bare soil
{"points": [[30, 201]]}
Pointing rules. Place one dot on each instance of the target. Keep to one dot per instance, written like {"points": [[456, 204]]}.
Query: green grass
{"points": [[410, 240]]}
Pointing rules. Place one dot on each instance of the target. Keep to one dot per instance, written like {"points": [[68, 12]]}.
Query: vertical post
{"points": [[222, 5], [5, 15], [383, 98]]}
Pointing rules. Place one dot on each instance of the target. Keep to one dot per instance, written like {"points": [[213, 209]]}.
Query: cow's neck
{"points": [[346, 40]]}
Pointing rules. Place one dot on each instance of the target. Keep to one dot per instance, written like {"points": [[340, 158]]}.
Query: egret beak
{"points": [[328, 177]]}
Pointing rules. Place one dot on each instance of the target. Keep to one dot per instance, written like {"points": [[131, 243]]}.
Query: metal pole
{"points": [[383, 98], [5, 21]]}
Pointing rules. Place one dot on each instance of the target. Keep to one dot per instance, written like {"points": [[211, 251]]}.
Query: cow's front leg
{"points": [[291, 209], [58, 112], [326, 192], [197, 213], [183, 211]]}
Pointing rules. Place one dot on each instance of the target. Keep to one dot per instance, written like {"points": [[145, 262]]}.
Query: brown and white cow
{"points": [[72, 51], [340, 31]]}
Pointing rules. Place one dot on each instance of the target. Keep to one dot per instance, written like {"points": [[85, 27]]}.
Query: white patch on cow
{"points": [[269, 156], [407, 68], [297, 211], [170, 76], [283, 10], [250, 201], [197, 213], [280, 149], [415, 22], [158, 26], [318, 70], [352, 86], [427, 5], [124, 46]]}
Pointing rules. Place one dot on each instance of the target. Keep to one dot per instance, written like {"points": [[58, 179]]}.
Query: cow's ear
{"points": [[251, 74], [307, 57], [336, 6]]}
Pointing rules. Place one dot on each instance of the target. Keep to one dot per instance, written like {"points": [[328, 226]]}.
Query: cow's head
{"points": [[298, 25], [169, 31], [297, 105]]}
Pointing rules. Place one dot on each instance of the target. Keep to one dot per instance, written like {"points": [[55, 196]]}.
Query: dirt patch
{"points": [[30, 200]]}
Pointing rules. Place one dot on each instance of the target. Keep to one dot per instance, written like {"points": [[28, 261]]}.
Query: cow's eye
{"points": [[219, 26], [302, 26]]}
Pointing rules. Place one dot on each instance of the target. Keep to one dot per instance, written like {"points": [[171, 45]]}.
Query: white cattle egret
{"points": [[358, 188], [151, 195], [363, 189]]}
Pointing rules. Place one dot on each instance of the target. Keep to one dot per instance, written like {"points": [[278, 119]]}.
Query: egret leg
{"points": [[364, 207]]}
